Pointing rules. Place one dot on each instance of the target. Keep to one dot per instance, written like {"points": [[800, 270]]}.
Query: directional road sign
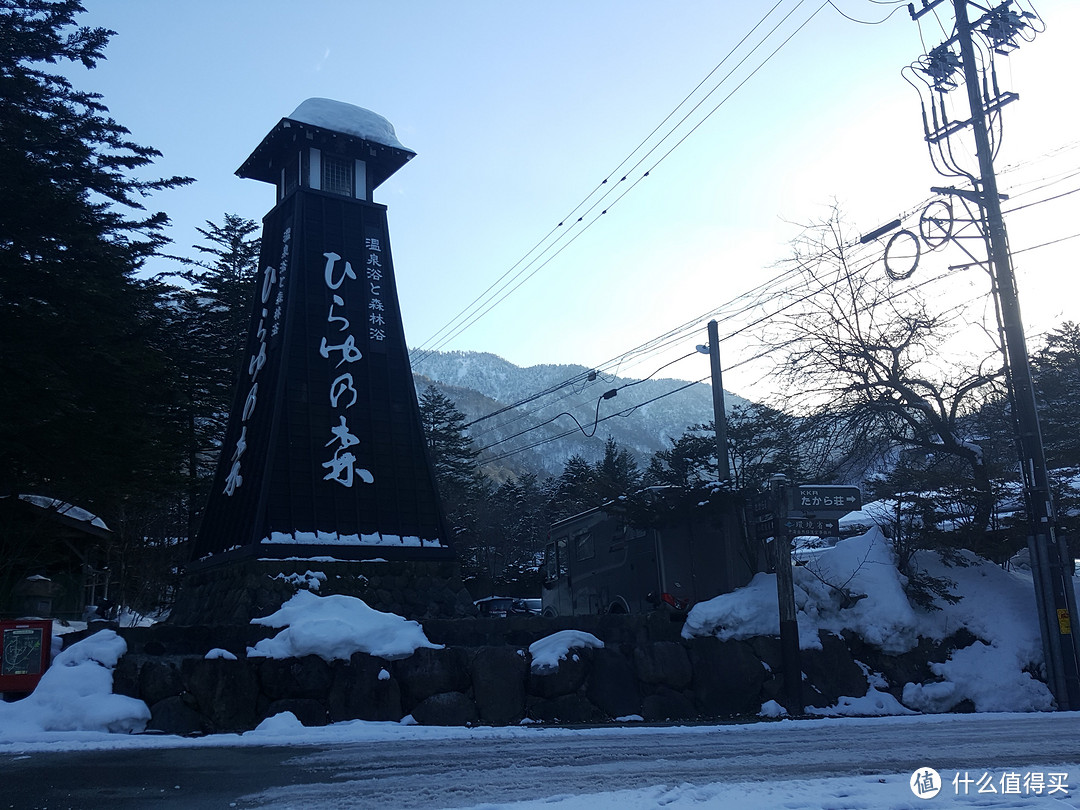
{"points": [[818, 527], [824, 500]]}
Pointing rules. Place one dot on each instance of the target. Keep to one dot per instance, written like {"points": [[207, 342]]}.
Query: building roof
{"points": [[335, 127]]}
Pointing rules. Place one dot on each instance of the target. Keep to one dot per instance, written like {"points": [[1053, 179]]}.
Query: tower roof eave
{"points": [[280, 144]]}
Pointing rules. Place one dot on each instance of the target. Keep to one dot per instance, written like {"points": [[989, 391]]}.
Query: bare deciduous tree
{"points": [[873, 353]]}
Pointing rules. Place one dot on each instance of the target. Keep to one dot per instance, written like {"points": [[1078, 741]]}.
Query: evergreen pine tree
{"points": [[615, 474], [691, 459], [208, 323], [575, 488], [80, 354], [1057, 383], [449, 448]]}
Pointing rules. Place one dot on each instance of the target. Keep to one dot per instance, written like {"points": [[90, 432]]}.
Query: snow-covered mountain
{"points": [[523, 437]]}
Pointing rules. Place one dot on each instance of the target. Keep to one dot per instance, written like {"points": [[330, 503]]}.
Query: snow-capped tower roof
{"points": [[347, 119], [332, 127]]}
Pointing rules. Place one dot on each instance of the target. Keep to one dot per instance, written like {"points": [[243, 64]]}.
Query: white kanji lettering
{"points": [[234, 479], [373, 243], [342, 436], [349, 352], [241, 444], [967, 782], [1010, 782], [376, 305], [332, 318], [986, 783], [376, 333], [374, 273], [1056, 783], [1034, 783], [376, 289], [341, 469], [373, 260], [340, 386], [377, 319], [328, 274], [269, 278], [258, 360], [249, 403]]}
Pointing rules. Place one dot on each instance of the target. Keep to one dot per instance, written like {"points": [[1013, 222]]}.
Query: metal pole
{"points": [[785, 597], [723, 468], [1062, 654]]}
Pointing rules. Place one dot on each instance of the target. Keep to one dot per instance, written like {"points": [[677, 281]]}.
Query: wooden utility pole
{"points": [[785, 597], [723, 468], [1053, 584], [1055, 598]]}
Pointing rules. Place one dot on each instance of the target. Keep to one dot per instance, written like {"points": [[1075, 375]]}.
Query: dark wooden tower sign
{"points": [[324, 455]]}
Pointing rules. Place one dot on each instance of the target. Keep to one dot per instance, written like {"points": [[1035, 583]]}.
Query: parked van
{"points": [[600, 562]]}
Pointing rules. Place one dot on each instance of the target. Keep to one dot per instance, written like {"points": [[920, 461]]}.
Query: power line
{"points": [[761, 295], [628, 411], [623, 413], [765, 292], [498, 295], [841, 278], [1040, 202], [865, 22], [1046, 244]]}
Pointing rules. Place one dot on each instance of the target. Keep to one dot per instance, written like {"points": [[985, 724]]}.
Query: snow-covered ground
{"points": [[73, 707], [986, 760]]}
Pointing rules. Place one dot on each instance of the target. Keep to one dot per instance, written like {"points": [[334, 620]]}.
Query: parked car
{"points": [[527, 607], [494, 605]]}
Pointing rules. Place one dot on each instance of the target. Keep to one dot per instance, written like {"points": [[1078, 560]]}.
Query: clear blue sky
{"points": [[518, 110]]}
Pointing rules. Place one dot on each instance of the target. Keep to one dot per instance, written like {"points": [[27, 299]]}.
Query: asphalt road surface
{"points": [[486, 767]]}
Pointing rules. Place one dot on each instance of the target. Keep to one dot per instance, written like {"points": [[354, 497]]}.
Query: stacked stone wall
{"points": [[237, 592], [645, 671]]}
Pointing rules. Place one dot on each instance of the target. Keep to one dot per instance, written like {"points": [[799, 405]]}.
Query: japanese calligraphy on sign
{"points": [[339, 347], [271, 300], [376, 306]]}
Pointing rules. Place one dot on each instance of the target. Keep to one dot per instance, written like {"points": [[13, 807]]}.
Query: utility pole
{"points": [[723, 468], [785, 597], [1055, 598]]}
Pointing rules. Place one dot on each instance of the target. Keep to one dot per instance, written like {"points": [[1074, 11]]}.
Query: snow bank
{"points": [[997, 606], [75, 694], [874, 703], [335, 627], [988, 676], [860, 565], [282, 723], [770, 708], [550, 650]]}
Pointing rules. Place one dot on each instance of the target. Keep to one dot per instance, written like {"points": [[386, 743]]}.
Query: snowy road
{"points": [[805, 761]]}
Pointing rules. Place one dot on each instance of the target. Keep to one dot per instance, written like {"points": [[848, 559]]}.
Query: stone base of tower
{"points": [[236, 592]]}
